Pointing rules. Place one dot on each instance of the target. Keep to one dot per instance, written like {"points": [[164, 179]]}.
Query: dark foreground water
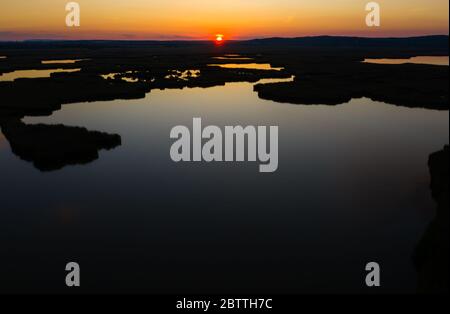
{"points": [[351, 188]]}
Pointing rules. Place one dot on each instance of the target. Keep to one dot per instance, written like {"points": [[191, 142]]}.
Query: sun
{"points": [[219, 38]]}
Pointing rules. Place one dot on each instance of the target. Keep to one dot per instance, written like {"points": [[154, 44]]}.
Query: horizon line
{"points": [[210, 40]]}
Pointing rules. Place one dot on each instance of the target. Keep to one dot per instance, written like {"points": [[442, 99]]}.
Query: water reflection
{"points": [[276, 80], [122, 76], [2, 140], [433, 60], [109, 76], [351, 179], [183, 75], [232, 58], [11, 76], [68, 61], [251, 66]]}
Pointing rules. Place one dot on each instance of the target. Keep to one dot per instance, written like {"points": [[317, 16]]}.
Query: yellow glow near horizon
{"points": [[202, 19]]}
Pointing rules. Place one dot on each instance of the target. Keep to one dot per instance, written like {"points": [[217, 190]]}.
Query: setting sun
{"points": [[219, 38]]}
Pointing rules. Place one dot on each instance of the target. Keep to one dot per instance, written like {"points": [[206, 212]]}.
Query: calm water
{"points": [[11, 76], [257, 66], [68, 61], [113, 76], [352, 187], [416, 60], [232, 58]]}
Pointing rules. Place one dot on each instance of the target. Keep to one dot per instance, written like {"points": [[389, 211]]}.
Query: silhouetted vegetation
{"points": [[432, 254], [51, 147]]}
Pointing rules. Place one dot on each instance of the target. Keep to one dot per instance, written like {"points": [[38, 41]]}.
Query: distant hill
{"points": [[363, 42], [409, 46], [316, 41]]}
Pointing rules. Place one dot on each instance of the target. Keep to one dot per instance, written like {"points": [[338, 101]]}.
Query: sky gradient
{"points": [[202, 19]]}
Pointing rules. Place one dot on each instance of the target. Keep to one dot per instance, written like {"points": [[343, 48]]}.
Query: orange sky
{"points": [[201, 19]]}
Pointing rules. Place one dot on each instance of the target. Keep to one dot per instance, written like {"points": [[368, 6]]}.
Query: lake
{"points": [[11, 76], [352, 188], [434, 60]]}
